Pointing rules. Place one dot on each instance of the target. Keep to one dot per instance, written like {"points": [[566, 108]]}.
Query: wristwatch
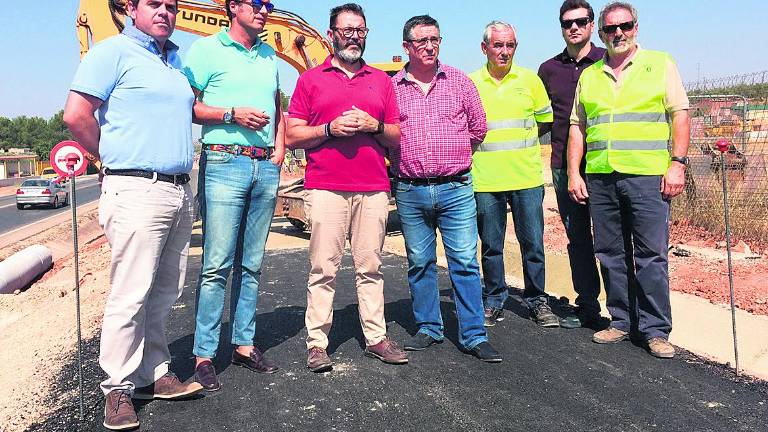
{"points": [[682, 159], [379, 128], [229, 116]]}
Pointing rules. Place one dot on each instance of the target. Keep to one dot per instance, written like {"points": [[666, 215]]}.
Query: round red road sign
{"points": [[68, 157]]}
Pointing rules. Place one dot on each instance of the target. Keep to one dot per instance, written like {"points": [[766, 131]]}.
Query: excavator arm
{"points": [[293, 39]]}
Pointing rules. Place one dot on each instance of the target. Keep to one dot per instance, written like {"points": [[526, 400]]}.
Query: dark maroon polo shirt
{"points": [[560, 75]]}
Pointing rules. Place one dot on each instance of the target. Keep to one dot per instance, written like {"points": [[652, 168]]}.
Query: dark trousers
{"points": [[631, 221], [581, 254], [528, 216]]}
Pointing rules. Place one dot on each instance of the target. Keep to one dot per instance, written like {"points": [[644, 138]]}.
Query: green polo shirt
{"points": [[229, 75], [510, 156]]}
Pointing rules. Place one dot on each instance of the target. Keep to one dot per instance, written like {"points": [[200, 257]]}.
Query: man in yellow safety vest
{"points": [[629, 105], [507, 170]]}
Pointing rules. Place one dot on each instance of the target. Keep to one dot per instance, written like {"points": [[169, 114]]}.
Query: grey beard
{"points": [[344, 55]]}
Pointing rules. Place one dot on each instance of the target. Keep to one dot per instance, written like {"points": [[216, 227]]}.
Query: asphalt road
{"points": [[550, 380], [12, 218]]}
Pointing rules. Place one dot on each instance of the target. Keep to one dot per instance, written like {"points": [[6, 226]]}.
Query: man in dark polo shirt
{"points": [[560, 75]]}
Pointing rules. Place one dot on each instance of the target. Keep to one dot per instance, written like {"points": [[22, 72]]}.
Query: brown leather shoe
{"points": [[255, 361], [118, 411], [387, 351], [318, 360], [661, 348], [205, 374], [167, 387], [609, 335]]}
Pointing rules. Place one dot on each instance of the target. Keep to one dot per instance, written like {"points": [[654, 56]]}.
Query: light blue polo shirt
{"points": [[146, 117], [229, 75]]}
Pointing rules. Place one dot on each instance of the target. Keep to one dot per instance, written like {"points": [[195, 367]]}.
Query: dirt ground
{"points": [[39, 329]]}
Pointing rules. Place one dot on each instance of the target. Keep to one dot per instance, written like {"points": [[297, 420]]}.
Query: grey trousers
{"points": [[631, 224], [148, 226]]}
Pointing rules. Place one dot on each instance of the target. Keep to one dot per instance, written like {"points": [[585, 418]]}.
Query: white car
{"points": [[41, 191]]}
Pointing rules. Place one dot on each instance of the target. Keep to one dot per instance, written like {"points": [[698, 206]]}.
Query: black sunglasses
{"points": [[258, 4], [581, 22], [625, 27]]}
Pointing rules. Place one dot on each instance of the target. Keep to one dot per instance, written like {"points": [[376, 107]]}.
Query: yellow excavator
{"points": [[293, 39]]}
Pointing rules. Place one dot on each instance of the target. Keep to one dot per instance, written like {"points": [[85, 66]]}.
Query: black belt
{"points": [[177, 179], [458, 177]]}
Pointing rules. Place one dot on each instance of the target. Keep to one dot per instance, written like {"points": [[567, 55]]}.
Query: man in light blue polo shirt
{"points": [[143, 136], [234, 76]]}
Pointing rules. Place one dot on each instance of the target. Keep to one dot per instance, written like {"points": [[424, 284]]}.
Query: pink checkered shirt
{"points": [[437, 130]]}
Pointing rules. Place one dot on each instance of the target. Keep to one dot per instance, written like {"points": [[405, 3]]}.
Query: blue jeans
{"points": [[631, 238], [237, 200], [451, 208], [528, 216], [581, 254]]}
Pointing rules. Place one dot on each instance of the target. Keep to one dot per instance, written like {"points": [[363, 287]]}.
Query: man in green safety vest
{"points": [[507, 170], [629, 105]]}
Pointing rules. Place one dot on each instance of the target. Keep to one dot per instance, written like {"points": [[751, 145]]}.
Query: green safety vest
{"points": [[510, 156], [627, 129]]}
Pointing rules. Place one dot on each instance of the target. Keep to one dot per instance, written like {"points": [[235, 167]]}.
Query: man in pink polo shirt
{"points": [[344, 114]]}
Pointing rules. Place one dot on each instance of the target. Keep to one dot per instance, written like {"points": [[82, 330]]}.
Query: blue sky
{"points": [[708, 38]]}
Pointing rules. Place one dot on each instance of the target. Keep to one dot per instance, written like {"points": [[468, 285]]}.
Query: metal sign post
{"points": [[722, 146], [68, 160]]}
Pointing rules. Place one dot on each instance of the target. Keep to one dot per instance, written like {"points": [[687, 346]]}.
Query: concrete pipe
{"points": [[21, 268]]}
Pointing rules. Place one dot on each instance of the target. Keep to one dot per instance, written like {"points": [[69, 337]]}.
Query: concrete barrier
{"points": [[21, 268]]}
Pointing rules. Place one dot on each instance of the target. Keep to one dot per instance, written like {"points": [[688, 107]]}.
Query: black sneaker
{"points": [[487, 353], [492, 315], [419, 342], [542, 315]]}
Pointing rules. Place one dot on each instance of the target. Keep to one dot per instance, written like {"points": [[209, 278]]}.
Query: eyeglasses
{"points": [[348, 32], [581, 22], [258, 4], [423, 41], [625, 27]]}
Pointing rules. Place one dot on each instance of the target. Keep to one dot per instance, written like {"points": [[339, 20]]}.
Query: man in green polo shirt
{"points": [[234, 77], [507, 170]]}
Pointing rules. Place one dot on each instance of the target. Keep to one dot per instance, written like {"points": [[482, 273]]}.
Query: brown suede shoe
{"points": [[167, 387], [609, 335], [387, 351], [255, 361], [661, 348], [118, 411], [318, 360]]}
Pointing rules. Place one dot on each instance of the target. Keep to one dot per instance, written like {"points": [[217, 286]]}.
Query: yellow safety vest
{"points": [[627, 129], [510, 156]]}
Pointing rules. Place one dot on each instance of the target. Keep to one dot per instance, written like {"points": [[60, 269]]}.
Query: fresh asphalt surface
{"points": [[550, 380], [11, 218]]}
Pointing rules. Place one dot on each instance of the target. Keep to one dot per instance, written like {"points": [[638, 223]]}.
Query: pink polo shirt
{"points": [[353, 164]]}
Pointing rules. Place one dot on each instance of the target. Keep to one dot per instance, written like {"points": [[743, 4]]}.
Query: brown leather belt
{"points": [[252, 152]]}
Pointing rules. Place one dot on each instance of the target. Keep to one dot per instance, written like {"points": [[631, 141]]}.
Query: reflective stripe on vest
{"points": [[511, 124], [546, 110], [507, 145], [628, 145], [652, 117]]}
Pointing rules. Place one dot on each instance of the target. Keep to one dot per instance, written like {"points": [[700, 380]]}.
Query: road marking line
{"points": [[2, 235]]}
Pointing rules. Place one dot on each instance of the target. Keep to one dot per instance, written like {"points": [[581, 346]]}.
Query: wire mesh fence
{"points": [[734, 109]]}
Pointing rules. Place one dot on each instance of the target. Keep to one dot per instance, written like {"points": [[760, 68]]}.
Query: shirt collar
{"points": [[514, 72], [148, 41], [594, 54], [629, 62], [226, 40], [328, 66], [403, 74]]}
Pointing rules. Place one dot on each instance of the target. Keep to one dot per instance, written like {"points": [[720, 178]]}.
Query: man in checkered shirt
{"points": [[441, 119]]}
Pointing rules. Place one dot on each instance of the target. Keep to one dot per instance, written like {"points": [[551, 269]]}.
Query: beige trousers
{"points": [[148, 226], [335, 217]]}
